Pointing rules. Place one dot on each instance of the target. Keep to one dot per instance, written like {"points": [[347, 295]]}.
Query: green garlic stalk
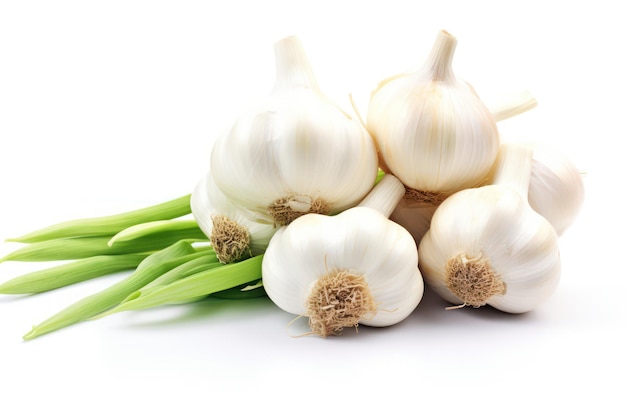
{"points": [[149, 269], [109, 225], [194, 286], [84, 247], [70, 273]]}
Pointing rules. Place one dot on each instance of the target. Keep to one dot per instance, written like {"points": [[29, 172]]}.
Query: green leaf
{"points": [[84, 247], [149, 269], [195, 286], [70, 273], [158, 227], [109, 225]]}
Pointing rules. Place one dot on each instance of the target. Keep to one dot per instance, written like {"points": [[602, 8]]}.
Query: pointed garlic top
{"points": [[293, 69]]}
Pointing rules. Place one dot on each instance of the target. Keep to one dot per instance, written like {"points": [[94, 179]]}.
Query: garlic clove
{"points": [[557, 189]]}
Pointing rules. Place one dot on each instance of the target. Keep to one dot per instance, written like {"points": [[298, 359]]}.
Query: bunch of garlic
{"points": [[293, 179]]}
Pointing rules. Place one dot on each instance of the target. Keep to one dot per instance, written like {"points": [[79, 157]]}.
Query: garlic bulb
{"points": [[296, 152], [414, 215], [431, 129], [487, 245], [556, 188], [235, 232], [357, 267]]}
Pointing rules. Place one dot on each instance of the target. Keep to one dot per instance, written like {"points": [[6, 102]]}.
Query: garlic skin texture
{"points": [[296, 152], [360, 240], [431, 129], [416, 219], [556, 190], [209, 205], [488, 246]]}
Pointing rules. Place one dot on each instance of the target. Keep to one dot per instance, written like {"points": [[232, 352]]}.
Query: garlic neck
{"points": [[293, 69], [439, 62], [514, 167], [385, 195], [339, 299]]}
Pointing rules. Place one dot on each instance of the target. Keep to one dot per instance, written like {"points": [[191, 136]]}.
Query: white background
{"points": [[111, 106]]}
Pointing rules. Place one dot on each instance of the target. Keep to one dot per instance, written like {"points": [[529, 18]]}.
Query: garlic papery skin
{"points": [[513, 105], [235, 232], [416, 219], [431, 129], [487, 245], [356, 267], [296, 152], [557, 189]]}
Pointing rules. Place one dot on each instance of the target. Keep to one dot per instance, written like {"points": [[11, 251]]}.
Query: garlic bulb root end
{"points": [[285, 210], [339, 299], [425, 198], [471, 279], [229, 239]]}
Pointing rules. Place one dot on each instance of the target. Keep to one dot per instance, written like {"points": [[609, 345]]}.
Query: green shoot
{"points": [[149, 269], [195, 286], [154, 227], [109, 225], [77, 248], [70, 273]]}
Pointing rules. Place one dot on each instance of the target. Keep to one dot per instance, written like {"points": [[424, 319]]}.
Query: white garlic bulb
{"points": [[431, 129], [296, 152], [357, 267], [487, 245], [235, 232], [556, 190], [414, 215]]}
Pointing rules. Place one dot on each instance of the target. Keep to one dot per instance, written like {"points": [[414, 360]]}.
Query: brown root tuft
{"points": [[472, 279], [339, 299], [424, 198], [229, 239], [285, 210]]}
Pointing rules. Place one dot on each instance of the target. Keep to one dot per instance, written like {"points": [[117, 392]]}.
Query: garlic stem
{"points": [[293, 68], [513, 106], [514, 167], [439, 62], [385, 196]]}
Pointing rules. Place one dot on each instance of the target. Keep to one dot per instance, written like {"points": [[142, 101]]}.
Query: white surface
{"points": [[110, 106]]}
